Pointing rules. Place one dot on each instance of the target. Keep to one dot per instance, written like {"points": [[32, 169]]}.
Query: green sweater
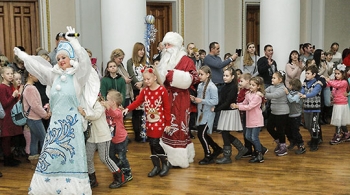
{"points": [[117, 83]]}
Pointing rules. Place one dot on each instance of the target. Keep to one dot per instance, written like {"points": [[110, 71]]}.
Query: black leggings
{"points": [[205, 139], [227, 137], [156, 148]]}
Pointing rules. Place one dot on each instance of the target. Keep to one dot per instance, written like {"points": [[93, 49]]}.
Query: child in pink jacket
{"points": [[255, 120]]}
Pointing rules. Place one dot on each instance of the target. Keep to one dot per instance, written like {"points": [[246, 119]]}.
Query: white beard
{"points": [[169, 59]]}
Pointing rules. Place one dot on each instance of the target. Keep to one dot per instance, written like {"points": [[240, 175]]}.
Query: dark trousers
{"points": [[205, 139], [276, 126], [293, 131]]}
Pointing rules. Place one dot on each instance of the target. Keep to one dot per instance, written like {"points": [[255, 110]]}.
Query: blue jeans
{"points": [[252, 135], [327, 96], [120, 149], [37, 135]]}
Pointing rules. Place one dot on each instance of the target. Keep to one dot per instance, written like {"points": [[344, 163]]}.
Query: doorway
{"points": [[163, 22], [253, 25], [19, 26]]}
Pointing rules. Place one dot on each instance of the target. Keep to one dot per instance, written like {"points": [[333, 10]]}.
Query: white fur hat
{"points": [[173, 38]]}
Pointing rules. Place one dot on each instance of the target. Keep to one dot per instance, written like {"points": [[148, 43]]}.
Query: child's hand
{"points": [[319, 82], [234, 106], [81, 111], [167, 129], [197, 100], [286, 90], [125, 111], [192, 98], [212, 109], [260, 94], [47, 116], [15, 93], [105, 104], [327, 79]]}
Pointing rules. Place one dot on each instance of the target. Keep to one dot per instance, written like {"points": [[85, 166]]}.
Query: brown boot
{"points": [[33, 160]]}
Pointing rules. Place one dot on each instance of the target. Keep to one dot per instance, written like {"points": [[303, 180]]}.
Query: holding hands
{"points": [[234, 106], [125, 111], [195, 99]]}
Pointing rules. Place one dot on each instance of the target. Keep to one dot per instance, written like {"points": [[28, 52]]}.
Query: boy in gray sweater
{"points": [[294, 118]]}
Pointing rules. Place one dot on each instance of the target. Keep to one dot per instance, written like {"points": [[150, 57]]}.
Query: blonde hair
{"points": [[46, 57], [116, 53], [260, 83], [15, 85], [2, 70], [152, 70], [246, 76], [116, 96]]}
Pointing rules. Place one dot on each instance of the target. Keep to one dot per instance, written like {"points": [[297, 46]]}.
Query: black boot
{"points": [[259, 158], [208, 159], [118, 179], [156, 169], [217, 151], [93, 180], [314, 144], [9, 161], [241, 149], [227, 151], [165, 165], [320, 138], [325, 114]]}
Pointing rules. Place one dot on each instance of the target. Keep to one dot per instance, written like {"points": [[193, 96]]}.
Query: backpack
{"points": [[18, 115]]}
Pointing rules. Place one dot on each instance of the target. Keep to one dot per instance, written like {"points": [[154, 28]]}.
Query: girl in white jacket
{"points": [[100, 139]]}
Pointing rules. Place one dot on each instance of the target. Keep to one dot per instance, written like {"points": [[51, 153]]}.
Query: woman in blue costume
{"points": [[62, 167]]}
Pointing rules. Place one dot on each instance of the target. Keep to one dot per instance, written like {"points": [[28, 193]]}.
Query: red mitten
{"points": [[169, 76]]}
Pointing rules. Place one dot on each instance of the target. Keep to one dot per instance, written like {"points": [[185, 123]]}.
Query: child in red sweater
{"points": [[157, 108], [119, 141]]}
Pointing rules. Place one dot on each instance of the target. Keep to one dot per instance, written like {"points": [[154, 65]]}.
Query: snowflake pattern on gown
{"points": [[62, 167]]}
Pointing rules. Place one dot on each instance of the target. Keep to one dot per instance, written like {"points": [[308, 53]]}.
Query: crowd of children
{"points": [[241, 104]]}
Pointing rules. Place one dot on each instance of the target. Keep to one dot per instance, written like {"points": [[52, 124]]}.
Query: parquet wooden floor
{"points": [[323, 172]]}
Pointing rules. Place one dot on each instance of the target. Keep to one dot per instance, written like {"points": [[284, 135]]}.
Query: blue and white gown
{"points": [[62, 166]]}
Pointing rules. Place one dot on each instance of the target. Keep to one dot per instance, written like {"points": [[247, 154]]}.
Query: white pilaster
{"points": [[123, 24], [280, 27], [214, 24], [317, 23]]}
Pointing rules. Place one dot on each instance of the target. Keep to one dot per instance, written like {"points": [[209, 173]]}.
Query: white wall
{"points": [[62, 14], [88, 24], [337, 27]]}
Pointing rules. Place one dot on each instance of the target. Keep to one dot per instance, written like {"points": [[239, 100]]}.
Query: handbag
{"points": [[18, 114]]}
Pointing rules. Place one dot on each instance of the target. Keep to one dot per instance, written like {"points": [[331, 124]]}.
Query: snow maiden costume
{"points": [[178, 74], [62, 167]]}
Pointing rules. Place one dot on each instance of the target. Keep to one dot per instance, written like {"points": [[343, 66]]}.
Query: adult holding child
{"points": [[62, 166]]}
